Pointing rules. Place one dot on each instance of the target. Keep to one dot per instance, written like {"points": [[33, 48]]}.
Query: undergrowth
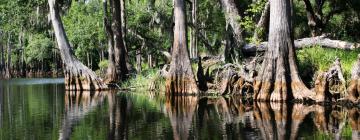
{"points": [[144, 80], [317, 59]]}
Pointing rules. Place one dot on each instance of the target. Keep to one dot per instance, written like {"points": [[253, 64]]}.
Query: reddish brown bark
{"points": [[180, 79]]}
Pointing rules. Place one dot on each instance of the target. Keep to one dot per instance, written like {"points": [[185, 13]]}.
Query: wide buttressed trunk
{"points": [[8, 63], [278, 79], [180, 79], [77, 75]]}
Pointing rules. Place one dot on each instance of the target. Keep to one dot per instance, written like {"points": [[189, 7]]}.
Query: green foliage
{"points": [[103, 64], [212, 24], [38, 49], [252, 14], [152, 21], [141, 82], [84, 27]]}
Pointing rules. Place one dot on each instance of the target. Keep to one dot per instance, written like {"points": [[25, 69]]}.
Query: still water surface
{"points": [[41, 109]]}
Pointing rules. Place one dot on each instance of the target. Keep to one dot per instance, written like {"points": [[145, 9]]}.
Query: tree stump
{"points": [[330, 85], [354, 87]]}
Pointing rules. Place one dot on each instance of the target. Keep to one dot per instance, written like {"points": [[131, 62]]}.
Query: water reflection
{"points": [[77, 106], [41, 112], [237, 120], [354, 120], [180, 110], [118, 112]]}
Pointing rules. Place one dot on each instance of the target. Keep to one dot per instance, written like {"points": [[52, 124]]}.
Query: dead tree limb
{"points": [[322, 41]]}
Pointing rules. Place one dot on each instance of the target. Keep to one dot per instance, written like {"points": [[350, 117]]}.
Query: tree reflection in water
{"points": [[77, 105], [354, 120], [196, 117], [180, 110], [119, 107]]}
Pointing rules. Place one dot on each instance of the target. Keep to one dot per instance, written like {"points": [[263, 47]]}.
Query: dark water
{"points": [[41, 109]]}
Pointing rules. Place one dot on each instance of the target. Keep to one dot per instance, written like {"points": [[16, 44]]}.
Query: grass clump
{"points": [[319, 59], [142, 81]]}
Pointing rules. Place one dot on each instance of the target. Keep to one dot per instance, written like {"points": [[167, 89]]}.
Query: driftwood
{"points": [[306, 42]]}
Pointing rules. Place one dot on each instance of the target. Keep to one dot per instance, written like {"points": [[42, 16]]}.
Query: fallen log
{"points": [[307, 42]]}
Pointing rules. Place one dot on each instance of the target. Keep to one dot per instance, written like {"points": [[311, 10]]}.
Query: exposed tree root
{"points": [[79, 77], [236, 79]]}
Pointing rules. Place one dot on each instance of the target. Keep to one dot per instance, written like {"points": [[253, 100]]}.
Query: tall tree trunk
{"points": [[138, 58], [279, 76], [123, 20], [22, 58], [123, 32], [193, 41], [88, 60], [8, 64], [117, 69], [150, 64], [2, 62], [77, 75], [180, 79], [232, 17]]}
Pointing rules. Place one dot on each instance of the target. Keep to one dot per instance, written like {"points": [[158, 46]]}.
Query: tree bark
{"points": [[138, 59], [306, 42], [149, 59], [123, 21], [77, 75], [232, 17], [193, 41], [278, 79], [180, 79], [117, 70], [262, 24]]}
